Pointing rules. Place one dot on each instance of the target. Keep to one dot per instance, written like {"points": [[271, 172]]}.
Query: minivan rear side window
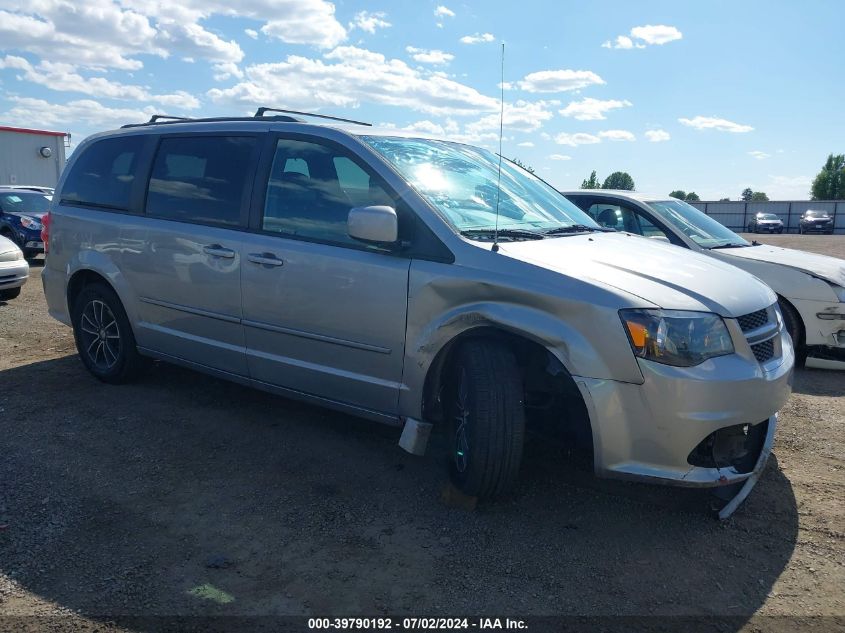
{"points": [[104, 174], [201, 179]]}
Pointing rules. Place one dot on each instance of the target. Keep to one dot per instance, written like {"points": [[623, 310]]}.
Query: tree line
{"points": [[829, 183]]}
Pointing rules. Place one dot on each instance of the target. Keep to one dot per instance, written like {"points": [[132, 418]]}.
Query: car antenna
{"points": [[495, 248]]}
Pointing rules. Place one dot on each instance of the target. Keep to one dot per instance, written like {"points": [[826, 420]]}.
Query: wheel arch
{"points": [[82, 278], [541, 369]]}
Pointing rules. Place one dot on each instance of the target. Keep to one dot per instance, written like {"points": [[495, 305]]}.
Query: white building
{"points": [[31, 157]]}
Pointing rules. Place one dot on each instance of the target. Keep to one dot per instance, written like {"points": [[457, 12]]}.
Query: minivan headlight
{"points": [[676, 337]]}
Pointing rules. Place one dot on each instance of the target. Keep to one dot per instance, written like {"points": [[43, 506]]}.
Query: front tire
{"points": [[104, 338], [486, 417]]}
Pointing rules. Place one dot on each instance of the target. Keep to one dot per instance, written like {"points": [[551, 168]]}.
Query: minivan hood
{"points": [[662, 274], [828, 268]]}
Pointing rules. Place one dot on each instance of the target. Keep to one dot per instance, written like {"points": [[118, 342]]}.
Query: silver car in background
{"points": [[404, 280]]}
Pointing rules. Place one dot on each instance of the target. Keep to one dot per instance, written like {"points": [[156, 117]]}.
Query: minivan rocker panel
{"points": [[441, 327]]}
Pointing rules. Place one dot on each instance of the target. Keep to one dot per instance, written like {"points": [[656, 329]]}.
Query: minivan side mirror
{"points": [[374, 225]]}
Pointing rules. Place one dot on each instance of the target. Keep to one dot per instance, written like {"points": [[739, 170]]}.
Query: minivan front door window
{"points": [[312, 187]]}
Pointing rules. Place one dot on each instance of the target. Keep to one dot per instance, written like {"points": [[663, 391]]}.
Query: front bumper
{"points": [[821, 227], [30, 241], [770, 228], [647, 432], [13, 274]]}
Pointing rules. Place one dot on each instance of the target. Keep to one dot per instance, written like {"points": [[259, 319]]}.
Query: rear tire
{"points": [[11, 293], [103, 335], [486, 417], [795, 329]]}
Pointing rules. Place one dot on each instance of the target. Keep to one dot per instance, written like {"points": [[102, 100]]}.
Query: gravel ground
{"points": [[184, 495]]}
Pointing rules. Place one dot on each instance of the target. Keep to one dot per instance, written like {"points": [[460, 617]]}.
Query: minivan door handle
{"points": [[215, 250], [266, 259]]}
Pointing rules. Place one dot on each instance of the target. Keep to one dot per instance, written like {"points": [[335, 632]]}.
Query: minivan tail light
{"points": [[45, 231]]}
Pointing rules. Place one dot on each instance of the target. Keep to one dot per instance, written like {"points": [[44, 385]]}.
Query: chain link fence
{"points": [[736, 215]]}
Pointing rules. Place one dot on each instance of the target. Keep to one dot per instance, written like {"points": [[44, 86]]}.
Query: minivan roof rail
{"points": [[157, 117], [156, 120], [166, 119], [260, 113]]}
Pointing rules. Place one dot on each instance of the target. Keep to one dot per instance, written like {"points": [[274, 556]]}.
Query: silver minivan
{"points": [[416, 282]]}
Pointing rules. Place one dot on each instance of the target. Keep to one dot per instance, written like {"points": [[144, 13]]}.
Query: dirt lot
{"points": [[185, 495]]}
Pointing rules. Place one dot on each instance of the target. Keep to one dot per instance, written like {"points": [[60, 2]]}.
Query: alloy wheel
{"points": [[100, 335]]}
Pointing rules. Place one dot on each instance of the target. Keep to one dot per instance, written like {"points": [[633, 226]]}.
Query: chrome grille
{"points": [[763, 351], [753, 320]]}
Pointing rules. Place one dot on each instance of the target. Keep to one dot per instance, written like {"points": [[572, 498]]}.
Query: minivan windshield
{"points": [[767, 216], [816, 214], [461, 183], [699, 227]]}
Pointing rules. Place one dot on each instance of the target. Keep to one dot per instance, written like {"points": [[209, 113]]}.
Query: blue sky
{"points": [[707, 96]]}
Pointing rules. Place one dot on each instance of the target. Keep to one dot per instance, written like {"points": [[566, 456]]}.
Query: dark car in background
{"points": [[815, 220], [21, 214], [765, 223]]}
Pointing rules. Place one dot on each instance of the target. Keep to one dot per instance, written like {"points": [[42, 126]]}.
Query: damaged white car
{"points": [[810, 287]]}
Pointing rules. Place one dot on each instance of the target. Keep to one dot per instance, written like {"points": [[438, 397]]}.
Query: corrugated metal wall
{"points": [[735, 215], [22, 164]]}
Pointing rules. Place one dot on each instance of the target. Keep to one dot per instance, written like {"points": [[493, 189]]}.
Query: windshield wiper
{"points": [[577, 228], [713, 248], [508, 233]]}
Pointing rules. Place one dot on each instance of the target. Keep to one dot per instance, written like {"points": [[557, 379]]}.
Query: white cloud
{"points": [[524, 116], [617, 135], [427, 127], [97, 36], [560, 157], [477, 38], [63, 77], [658, 34], [642, 36], [444, 12], [589, 109], [348, 76], [759, 155], [557, 81], [103, 34], [225, 70], [85, 111], [251, 33], [623, 42], [434, 56], [579, 138], [714, 123], [305, 22], [525, 144], [369, 22], [657, 136]]}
